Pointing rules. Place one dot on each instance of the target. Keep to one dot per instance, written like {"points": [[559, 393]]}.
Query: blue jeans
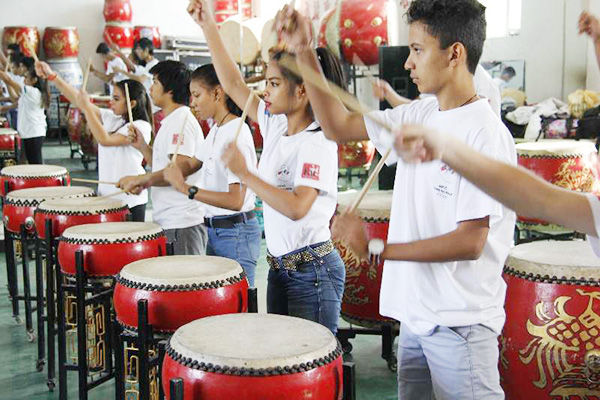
{"points": [[240, 243], [313, 292]]}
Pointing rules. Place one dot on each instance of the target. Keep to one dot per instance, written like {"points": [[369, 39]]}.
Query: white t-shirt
{"points": [[172, 209], [116, 63], [115, 162], [486, 87], [20, 80], [145, 72], [429, 200], [595, 206], [214, 176], [500, 83], [32, 119], [304, 159]]}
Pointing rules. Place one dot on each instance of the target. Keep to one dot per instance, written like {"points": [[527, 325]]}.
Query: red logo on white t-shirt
{"points": [[311, 171], [176, 138]]}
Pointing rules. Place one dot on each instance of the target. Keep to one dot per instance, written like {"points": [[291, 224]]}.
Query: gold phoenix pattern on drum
{"points": [[555, 338], [57, 44], [569, 177], [354, 294]]}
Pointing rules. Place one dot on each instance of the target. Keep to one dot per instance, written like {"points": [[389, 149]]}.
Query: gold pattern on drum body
{"points": [[56, 44], [569, 177], [353, 293], [558, 338]]}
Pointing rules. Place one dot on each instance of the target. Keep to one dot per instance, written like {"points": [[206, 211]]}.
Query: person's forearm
{"points": [[97, 129], [103, 77], [597, 49], [65, 88], [232, 200], [520, 190], [14, 86], [133, 76], [146, 151], [395, 100], [130, 65]]}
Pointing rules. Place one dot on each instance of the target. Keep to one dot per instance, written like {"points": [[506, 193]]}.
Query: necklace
{"points": [[468, 101], [218, 126]]}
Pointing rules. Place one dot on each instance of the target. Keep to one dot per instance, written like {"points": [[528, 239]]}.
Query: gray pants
{"points": [[188, 241], [450, 364]]}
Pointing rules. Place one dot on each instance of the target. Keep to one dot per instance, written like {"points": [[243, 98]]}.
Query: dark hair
{"points": [[16, 58], [27, 62], [136, 59], [137, 92], [102, 49], [207, 75], [146, 44], [332, 69], [175, 78], [40, 83], [14, 47], [509, 71], [453, 21]]}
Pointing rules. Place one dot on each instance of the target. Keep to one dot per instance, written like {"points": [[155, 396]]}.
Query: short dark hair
{"points": [[509, 71], [102, 49], [16, 58], [207, 76], [28, 62], [453, 21], [146, 44], [14, 47], [175, 78]]}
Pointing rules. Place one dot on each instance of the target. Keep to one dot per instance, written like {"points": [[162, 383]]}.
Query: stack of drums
{"points": [[562, 162], [33, 175], [356, 154], [117, 14], [10, 147], [254, 357], [148, 32], [21, 35], [224, 9], [61, 46], [550, 345], [79, 132]]}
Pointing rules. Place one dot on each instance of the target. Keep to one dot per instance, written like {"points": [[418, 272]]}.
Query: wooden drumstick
{"points": [[369, 183], [128, 99], [244, 115], [96, 199], [93, 181], [179, 140], [7, 66], [86, 75]]}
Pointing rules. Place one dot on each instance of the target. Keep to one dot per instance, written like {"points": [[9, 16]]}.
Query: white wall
{"points": [[593, 71]]}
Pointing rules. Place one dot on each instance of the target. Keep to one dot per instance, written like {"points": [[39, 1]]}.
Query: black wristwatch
{"points": [[192, 192]]}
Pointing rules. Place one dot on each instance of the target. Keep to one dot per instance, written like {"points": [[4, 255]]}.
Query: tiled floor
{"points": [[19, 380]]}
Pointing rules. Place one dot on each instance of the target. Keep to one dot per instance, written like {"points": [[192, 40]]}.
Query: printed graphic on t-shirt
{"points": [[176, 138], [284, 177], [446, 188], [311, 171]]}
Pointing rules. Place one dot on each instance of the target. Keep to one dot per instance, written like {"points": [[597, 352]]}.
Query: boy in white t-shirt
{"points": [[447, 241], [113, 65], [180, 217]]}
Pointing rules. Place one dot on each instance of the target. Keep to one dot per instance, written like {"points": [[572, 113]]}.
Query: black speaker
{"points": [[391, 70]]}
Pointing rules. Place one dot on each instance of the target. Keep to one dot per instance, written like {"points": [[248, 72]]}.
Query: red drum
{"points": [[10, 143], [254, 357], [32, 175], [19, 205], [327, 32], [203, 286], [360, 304], [117, 11], [224, 9], [71, 72], [119, 34], [565, 163], [356, 154], [358, 28], [4, 122], [62, 42], [19, 35], [77, 126], [148, 32], [550, 345], [70, 212], [108, 247]]}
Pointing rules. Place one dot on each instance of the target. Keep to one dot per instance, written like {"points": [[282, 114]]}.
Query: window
{"points": [[503, 17]]}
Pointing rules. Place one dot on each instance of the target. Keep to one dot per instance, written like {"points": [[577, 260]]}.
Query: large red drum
{"points": [[550, 345], [61, 43], [358, 29], [356, 154], [148, 32], [21, 35], [562, 162], [10, 143], [360, 304], [32, 175], [325, 34], [65, 213], [119, 34], [254, 357], [203, 286], [108, 247], [117, 11], [19, 205], [224, 9], [77, 127]]}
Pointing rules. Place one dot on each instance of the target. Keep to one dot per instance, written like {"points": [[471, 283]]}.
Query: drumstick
{"points": [[86, 75], [95, 199], [7, 63], [244, 115], [128, 99], [179, 140], [93, 181], [369, 183]]}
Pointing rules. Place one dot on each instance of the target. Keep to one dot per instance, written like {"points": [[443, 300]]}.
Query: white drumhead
{"points": [[556, 258], [34, 171], [88, 205], [8, 131], [112, 232], [181, 270], [556, 147], [253, 340], [375, 205], [40, 194]]}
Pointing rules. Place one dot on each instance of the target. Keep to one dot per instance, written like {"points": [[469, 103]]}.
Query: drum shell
{"points": [[356, 154], [32, 182], [119, 34], [60, 222], [61, 43], [363, 30], [149, 32], [18, 34], [165, 307], [78, 131], [117, 11], [9, 143], [324, 382], [107, 259], [15, 215]]}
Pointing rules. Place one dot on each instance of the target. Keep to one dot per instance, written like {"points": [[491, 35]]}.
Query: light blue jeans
{"points": [[240, 243], [450, 364], [313, 292]]}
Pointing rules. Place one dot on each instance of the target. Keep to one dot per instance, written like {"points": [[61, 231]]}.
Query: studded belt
{"points": [[291, 261]]}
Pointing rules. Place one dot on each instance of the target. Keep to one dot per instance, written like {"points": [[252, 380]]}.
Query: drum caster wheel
{"points": [[39, 365], [51, 385], [392, 364], [31, 337], [347, 347]]}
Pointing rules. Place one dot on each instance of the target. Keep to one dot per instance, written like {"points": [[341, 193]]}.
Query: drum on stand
{"points": [[10, 146], [61, 43], [279, 357], [550, 345], [32, 175], [20, 35]]}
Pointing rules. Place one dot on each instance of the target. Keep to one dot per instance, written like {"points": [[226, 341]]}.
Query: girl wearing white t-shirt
{"points": [[33, 99], [296, 179], [110, 127], [233, 230]]}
